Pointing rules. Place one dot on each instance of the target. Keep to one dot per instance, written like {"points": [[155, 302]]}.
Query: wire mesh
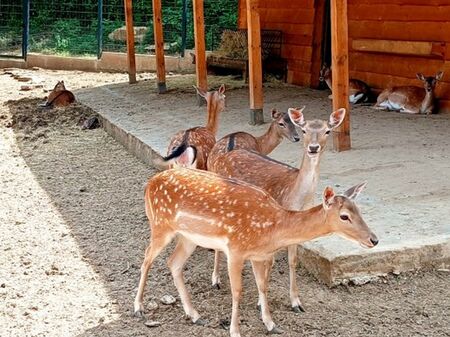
{"points": [[11, 22]]}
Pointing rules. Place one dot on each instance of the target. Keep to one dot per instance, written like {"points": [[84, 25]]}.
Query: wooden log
{"points": [[316, 64], [159, 46], [200, 50], [255, 63], [339, 62], [131, 55]]}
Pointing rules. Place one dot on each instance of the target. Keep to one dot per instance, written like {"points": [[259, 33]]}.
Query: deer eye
{"points": [[303, 130], [344, 217], [282, 125], [327, 132]]}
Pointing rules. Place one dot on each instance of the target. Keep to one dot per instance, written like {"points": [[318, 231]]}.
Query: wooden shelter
{"points": [[382, 42]]}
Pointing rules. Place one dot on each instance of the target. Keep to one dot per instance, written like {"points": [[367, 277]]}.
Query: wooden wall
{"points": [[370, 23]]}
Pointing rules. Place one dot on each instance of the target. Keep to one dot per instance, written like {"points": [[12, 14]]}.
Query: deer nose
{"points": [[374, 241], [314, 148], [296, 138]]}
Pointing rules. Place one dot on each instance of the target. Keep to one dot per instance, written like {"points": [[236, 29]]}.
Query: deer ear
{"points": [[296, 116], [328, 195], [188, 157], [201, 92], [354, 191], [439, 76], [420, 77], [222, 89], [275, 114], [336, 118]]}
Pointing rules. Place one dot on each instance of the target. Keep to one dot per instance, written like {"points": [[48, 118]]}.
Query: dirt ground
{"points": [[73, 233]]}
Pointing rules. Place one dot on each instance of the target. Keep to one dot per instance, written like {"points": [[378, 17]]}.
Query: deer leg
{"points": [[293, 289], [260, 271], [235, 265], [268, 264], [215, 278], [157, 244], [177, 260]]}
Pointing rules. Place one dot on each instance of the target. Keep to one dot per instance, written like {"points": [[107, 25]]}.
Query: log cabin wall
{"points": [[391, 40]]}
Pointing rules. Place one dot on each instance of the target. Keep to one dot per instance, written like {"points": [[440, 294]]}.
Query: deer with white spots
{"points": [[245, 222], [282, 126], [292, 188], [198, 140], [410, 99]]}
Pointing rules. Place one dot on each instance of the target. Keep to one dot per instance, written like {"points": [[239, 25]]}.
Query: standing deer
{"points": [[292, 188], [245, 222], [283, 125], [200, 139], [359, 91], [410, 99], [59, 96]]}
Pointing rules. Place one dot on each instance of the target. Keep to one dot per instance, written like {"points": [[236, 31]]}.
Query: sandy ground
{"points": [[73, 233]]}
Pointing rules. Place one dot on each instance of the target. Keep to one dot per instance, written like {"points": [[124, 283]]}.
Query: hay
{"points": [[233, 44]]}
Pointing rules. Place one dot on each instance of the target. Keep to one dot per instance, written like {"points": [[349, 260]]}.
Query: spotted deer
{"points": [[282, 126], [359, 91], [59, 96], [246, 223], [200, 139], [292, 188], [411, 99]]}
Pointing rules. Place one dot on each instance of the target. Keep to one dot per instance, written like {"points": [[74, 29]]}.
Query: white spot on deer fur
{"points": [[214, 210], [230, 215], [175, 206], [155, 201], [169, 211], [169, 199], [246, 204], [165, 192]]}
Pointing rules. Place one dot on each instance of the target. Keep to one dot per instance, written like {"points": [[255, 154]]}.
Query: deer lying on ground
{"points": [[359, 91], [59, 96], [292, 188], [410, 99], [245, 222], [283, 125], [200, 139]]}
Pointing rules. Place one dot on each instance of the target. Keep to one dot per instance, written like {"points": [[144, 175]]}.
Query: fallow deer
{"points": [[293, 188], [200, 138], [283, 125], [59, 96], [359, 91], [410, 99], [245, 222]]}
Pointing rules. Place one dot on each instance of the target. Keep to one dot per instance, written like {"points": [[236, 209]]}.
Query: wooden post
{"points": [[159, 46], [316, 64], [200, 49], [339, 55], [131, 57], [254, 63]]}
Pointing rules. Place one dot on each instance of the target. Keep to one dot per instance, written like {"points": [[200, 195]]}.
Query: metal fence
{"points": [[89, 27]]}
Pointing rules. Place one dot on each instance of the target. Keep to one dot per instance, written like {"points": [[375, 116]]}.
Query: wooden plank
{"points": [[131, 55], [297, 39], [297, 52], [283, 15], [399, 13], [316, 58], [402, 2], [299, 77], [289, 28], [288, 4], [159, 46], [409, 31], [393, 46], [339, 63], [304, 66], [200, 51], [242, 15], [255, 65]]}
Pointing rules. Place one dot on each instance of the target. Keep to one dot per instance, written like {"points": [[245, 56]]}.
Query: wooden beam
{"points": [[339, 63], [254, 63], [131, 56], [399, 47], [200, 49], [316, 64], [159, 46]]}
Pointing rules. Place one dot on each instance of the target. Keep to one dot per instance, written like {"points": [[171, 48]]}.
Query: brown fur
{"points": [[59, 96]]}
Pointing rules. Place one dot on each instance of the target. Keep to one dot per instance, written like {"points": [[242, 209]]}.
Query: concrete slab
{"points": [[404, 158]]}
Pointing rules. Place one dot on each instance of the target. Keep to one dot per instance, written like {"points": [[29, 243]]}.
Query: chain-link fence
{"points": [[88, 27]]}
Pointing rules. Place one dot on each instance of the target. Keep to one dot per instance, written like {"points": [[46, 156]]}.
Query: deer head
{"points": [[325, 72], [216, 97], [59, 86], [316, 132], [429, 82], [345, 218], [285, 123]]}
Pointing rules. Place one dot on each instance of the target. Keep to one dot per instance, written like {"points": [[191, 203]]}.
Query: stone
{"points": [[168, 299], [152, 324], [120, 34]]}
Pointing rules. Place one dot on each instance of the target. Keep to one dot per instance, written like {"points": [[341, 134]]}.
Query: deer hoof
{"points": [[200, 322], [216, 286], [275, 331], [139, 313], [258, 306], [298, 309]]}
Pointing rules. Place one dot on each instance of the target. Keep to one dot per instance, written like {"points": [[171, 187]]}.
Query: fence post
{"points": [[183, 28], [99, 29], [26, 27]]}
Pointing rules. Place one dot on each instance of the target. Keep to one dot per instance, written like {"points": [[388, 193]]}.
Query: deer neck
{"points": [[269, 140], [212, 124], [427, 101], [301, 194], [329, 82], [298, 227]]}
